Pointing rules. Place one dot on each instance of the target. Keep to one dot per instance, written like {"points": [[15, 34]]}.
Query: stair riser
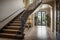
{"points": [[17, 19], [10, 32], [14, 25], [14, 28], [10, 37], [15, 22]]}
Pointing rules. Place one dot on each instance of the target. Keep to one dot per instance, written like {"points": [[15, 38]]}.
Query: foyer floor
{"points": [[39, 33], [36, 33]]}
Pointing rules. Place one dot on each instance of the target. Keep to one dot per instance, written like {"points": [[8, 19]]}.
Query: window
{"points": [[30, 1]]}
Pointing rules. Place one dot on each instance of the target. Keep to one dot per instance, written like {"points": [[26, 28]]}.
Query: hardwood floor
{"points": [[35, 33]]}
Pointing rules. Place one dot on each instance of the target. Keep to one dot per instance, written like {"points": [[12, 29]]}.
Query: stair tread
{"points": [[13, 26], [16, 24], [10, 30], [9, 34]]}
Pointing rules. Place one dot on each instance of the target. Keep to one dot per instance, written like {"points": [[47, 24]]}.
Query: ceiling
{"points": [[44, 1]]}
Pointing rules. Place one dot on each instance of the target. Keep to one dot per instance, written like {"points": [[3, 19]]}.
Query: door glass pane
{"points": [[39, 18], [43, 18]]}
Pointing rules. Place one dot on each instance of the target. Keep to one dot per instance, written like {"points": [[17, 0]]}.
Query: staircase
{"points": [[15, 29], [11, 29]]}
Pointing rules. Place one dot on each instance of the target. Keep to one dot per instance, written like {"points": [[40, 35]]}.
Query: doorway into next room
{"points": [[40, 23], [40, 18]]}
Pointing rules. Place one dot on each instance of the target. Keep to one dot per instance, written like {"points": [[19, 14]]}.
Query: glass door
{"points": [[41, 18]]}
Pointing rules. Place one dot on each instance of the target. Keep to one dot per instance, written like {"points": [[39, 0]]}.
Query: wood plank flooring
{"points": [[35, 33]]}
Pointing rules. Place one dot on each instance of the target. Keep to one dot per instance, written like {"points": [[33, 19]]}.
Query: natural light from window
{"points": [[30, 1]]}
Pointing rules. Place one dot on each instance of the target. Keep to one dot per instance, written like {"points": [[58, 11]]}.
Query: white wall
{"points": [[8, 7]]}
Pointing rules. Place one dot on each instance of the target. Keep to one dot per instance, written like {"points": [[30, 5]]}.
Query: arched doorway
{"points": [[48, 12]]}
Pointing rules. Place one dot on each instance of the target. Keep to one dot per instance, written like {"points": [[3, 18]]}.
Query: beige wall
{"points": [[30, 20], [53, 4], [8, 7], [55, 19]]}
